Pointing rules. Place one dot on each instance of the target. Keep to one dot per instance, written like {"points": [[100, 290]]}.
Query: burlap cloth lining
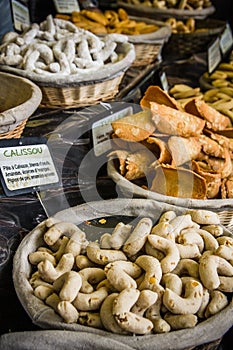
{"points": [[59, 335]]}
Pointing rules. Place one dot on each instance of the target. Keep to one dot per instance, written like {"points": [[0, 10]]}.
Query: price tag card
{"points": [[26, 167], [226, 40], [102, 129], [66, 6], [20, 14], [214, 55]]}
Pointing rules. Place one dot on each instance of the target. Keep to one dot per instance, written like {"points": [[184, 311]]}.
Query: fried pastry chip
{"points": [[211, 147], [136, 127], [179, 182], [214, 119], [119, 156], [132, 166], [183, 149], [227, 188], [213, 179], [155, 94], [159, 149], [174, 122]]}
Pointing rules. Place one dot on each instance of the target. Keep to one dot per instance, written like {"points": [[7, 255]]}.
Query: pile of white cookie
{"points": [[141, 278], [58, 47]]}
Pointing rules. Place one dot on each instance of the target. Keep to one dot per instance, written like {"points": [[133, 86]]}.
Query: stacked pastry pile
{"points": [[173, 150], [57, 49]]}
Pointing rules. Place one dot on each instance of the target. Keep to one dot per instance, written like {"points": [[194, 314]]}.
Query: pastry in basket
{"points": [[171, 121], [214, 119], [133, 165], [135, 127], [178, 182], [227, 188], [159, 148], [213, 178], [183, 149], [155, 94]]}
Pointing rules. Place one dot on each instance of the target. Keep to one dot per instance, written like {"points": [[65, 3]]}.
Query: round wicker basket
{"points": [[19, 98], [75, 90], [205, 335]]}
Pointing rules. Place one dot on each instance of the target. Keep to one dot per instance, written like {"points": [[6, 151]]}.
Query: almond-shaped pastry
{"points": [[183, 149], [213, 179], [179, 182], [155, 94], [135, 127], [214, 119], [174, 122]]}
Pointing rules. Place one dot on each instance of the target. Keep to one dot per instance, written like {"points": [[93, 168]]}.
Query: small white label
{"points": [[27, 166], [20, 14], [66, 6], [226, 40], [164, 82], [102, 129], [214, 55]]}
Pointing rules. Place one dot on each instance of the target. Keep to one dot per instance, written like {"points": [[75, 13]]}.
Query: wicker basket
{"points": [[80, 95], [148, 47], [16, 132], [62, 91], [205, 335], [19, 98], [186, 44], [160, 14]]}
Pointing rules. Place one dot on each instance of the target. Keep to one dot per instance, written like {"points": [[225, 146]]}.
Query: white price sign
{"points": [[214, 55], [28, 166], [66, 6], [226, 40], [20, 14]]}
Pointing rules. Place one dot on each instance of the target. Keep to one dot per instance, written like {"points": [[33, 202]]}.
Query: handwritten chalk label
{"points": [[226, 40], [66, 6], [214, 55], [27, 166], [20, 14]]}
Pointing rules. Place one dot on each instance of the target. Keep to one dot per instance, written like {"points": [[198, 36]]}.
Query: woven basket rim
{"points": [[146, 10], [102, 73]]}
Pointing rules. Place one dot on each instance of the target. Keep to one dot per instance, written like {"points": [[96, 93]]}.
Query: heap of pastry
{"points": [[109, 21], [176, 4], [220, 93], [141, 278], [175, 150], [185, 26], [58, 47]]}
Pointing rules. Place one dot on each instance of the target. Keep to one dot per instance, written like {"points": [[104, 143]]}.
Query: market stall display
{"points": [[147, 35], [72, 66], [191, 36], [19, 98], [182, 9], [182, 160], [218, 88], [43, 285]]}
